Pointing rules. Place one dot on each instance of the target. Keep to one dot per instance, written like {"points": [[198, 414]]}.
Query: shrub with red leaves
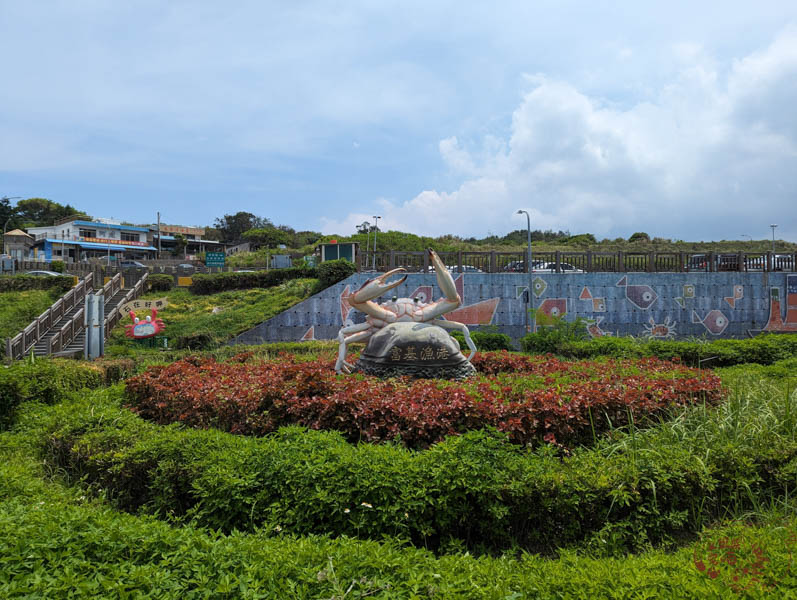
{"points": [[532, 399]]}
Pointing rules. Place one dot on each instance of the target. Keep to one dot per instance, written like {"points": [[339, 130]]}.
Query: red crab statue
{"points": [[143, 329]]}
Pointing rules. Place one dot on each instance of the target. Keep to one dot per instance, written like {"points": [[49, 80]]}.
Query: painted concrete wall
{"points": [[660, 305]]}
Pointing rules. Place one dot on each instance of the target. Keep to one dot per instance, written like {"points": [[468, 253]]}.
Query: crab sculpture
{"points": [[143, 329], [399, 309]]}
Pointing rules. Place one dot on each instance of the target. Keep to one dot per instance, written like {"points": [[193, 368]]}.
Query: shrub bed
{"points": [[20, 283], [475, 491], [220, 282], [46, 381], [530, 399], [764, 349], [160, 282]]}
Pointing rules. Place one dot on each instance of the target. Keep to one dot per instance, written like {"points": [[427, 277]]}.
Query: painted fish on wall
{"points": [[641, 296]]}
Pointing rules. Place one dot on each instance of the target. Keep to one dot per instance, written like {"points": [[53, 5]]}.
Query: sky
{"points": [[674, 118]]}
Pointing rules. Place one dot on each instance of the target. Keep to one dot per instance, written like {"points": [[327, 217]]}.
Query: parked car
{"points": [[131, 264], [550, 267], [465, 269], [44, 274], [519, 266]]}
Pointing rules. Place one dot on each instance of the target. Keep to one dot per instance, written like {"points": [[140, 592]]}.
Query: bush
{"points": [[201, 340], [475, 491], [45, 380], [763, 349], [332, 271], [485, 341], [57, 266], [535, 400], [19, 283], [220, 282], [160, 282]]}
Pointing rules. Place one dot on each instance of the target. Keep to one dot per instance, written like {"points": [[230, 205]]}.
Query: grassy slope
{"points": [[239, 310], [18, 309]]}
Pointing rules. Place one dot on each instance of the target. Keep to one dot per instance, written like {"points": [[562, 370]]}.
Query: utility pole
{"points": [[376, 228], [159, 236], [530, 269]]}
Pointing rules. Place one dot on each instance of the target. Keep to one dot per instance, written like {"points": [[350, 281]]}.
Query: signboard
{"points": [[214, 259], [135, 305], [112, 242]]}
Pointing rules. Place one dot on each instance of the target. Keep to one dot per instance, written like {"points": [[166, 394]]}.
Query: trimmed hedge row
{"points": [[764, 349], [20, 283], [220, 282], [475, 491], [52, 380], [59, 550], [160, 282]]}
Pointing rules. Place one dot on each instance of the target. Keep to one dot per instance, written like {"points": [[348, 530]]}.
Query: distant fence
{"points": [[588, 262]]}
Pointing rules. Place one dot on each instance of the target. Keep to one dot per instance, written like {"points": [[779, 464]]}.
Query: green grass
{"points": [[18, 309], [190, 316]]}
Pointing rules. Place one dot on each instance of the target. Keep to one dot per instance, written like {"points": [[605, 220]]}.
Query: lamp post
{"points": [[744, 235], [376, 228], [773, 239], [530, 271]]}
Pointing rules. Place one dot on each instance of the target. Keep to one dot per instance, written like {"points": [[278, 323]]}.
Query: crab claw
{"points": [[377, 286], [444, 279]]}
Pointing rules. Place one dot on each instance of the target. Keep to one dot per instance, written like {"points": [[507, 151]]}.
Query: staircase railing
{"points": [[66, 334], [115, 315], [19, 345]]}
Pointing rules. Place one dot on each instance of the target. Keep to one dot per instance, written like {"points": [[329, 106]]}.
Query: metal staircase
{"points": [[60, 330]]}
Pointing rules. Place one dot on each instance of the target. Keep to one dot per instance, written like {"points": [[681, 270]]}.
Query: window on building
{"points": [[88, 233], [129, 237]]}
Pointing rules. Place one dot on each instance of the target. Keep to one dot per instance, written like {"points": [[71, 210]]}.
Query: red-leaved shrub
{"points": [[531, 399]]}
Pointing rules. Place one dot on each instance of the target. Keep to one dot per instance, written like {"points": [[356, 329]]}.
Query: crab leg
{"points": [[457, 326], [449, 289], [359, 332]]}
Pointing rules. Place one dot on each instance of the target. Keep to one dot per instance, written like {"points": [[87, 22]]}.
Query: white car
{"points": [[550, 267]]}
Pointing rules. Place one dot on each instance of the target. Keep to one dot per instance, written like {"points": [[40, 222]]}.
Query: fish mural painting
{"points": [[641, 296], [715, 321], [554, 307]]}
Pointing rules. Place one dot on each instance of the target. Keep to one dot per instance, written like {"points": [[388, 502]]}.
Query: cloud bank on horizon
{"points": [[711, 154]]}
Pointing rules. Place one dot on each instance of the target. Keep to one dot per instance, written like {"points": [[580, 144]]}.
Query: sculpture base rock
{"points": [[416, 350]]}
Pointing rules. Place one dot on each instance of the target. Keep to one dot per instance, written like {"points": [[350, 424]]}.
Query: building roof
{"points": [[18, 232], [95, 245], [110, 226]]}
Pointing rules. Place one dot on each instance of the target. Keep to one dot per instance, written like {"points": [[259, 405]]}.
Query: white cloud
{"points": [[712, 154]]}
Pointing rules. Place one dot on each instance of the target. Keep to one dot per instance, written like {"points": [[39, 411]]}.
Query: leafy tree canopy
{"points": [[232, 227], [38, 212]]}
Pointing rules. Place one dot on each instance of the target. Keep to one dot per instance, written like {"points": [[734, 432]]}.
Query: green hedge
{"points": [[332, 271], [485, 341], [59, 550], [19, 283], [220, 282], [160, 282], [764, 349], [475, 491], [48, 381]]}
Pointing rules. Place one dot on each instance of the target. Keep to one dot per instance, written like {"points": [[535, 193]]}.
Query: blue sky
{"points": [[673, 118]]}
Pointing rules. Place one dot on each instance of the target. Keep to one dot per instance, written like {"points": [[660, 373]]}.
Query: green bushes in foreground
{"points": [[48, 381], [55, 550], [220, 282], [160, 282], [764, 349], [475, 491]]}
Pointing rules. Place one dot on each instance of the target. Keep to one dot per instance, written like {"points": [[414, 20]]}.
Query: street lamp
{"points": [[773, 239], [530, 270], [744, 235], [376, 228]]}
